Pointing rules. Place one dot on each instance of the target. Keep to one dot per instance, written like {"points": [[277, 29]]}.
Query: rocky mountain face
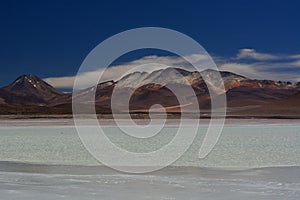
{"points": [[152, 88], [210, 78], [29, 89]]}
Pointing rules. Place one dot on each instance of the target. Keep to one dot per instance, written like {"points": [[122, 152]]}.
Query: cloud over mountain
{"points": [[247, 62]]}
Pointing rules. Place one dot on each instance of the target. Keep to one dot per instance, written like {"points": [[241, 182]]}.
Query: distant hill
{"points": [[286, 107], [245, 96]]}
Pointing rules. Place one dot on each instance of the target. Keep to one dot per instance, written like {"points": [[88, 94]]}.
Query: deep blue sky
{"points": [[51, 38]]}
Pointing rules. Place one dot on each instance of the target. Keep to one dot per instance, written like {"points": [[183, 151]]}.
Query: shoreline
{"points": [[146, 116], [37, 168], [17, 123]]}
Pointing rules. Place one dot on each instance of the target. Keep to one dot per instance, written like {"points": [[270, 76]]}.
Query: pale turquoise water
{"points": [[239, 146]]}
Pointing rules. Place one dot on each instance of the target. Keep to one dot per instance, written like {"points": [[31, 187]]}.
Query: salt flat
{"points": [[67, 122]]}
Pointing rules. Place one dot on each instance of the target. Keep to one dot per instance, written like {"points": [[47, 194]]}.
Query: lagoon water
{"points": [[251, 160]]}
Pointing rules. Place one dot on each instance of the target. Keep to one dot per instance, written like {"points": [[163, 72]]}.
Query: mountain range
{"points": [[29, 94]]}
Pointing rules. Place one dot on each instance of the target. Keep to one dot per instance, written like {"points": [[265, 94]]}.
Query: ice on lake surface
{"points": [[270, 183], [252, 160]]}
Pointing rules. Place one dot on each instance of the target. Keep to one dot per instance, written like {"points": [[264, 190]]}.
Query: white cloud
{"points": [[252, 54], [61, 82], [296, 63], [88, 79], [297, 56], [264, 65], [246, 70], [259, 56], [263, 70], [259, 68]]}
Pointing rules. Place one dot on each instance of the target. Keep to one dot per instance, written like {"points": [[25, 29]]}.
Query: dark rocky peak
{"points": [[31, 84], [30, 89]]}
